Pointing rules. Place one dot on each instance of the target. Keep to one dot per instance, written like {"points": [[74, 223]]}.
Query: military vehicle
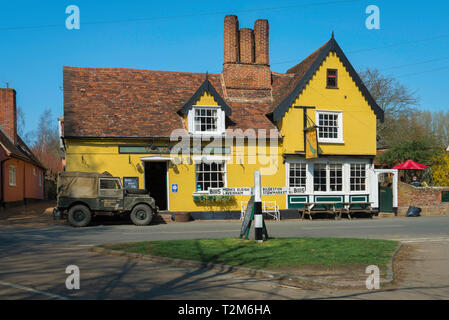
{"points": [[82, 195]]}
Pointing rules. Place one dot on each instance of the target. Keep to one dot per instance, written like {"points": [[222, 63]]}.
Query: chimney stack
{"points": [[246, 46], [8, 113], [246, 72], [231, 39], [261, 41]]}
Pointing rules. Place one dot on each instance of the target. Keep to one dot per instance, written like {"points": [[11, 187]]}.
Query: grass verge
{"points": [[272, 254]]}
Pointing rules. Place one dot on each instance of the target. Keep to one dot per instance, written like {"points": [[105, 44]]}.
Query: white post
{"points": [[258, 217]]}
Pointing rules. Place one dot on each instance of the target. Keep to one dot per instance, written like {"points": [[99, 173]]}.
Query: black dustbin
{"points": [[413, 212]]}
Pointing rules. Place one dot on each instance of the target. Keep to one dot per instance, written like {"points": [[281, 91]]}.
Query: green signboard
{"points": [[444, 196], [152, 149]]}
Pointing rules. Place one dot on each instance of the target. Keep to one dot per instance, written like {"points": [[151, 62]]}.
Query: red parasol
{"points": [[410, 165]]}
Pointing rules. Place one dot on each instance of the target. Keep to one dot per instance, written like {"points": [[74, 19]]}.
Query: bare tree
{"points": [[45, 144], [398, 103]]}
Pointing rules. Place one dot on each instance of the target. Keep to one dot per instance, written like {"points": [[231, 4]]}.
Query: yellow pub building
{"points": [[185, 137]]}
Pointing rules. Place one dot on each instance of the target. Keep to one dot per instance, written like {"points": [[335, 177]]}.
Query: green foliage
{"points": [[440, 169], [419, 150]]}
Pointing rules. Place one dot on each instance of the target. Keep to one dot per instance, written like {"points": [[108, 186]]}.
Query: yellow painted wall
{"points": [[359, 120], [97, 156], [359, 135]]}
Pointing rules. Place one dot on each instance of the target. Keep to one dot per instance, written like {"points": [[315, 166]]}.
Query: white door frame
{"points": [[375, 186], [158, 159]]}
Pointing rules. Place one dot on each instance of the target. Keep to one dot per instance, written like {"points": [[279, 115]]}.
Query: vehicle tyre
{"points": [[141, 215], [79, 216]]}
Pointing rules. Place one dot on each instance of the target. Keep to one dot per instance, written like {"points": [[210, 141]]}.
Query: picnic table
{"points": [[311, 208], [358, 206], [336, 208]]}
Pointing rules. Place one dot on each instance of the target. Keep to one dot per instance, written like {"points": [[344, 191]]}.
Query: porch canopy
{"points": [[410, 165]]}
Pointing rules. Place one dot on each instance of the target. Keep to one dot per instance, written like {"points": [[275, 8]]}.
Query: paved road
{"points": [[33, 261]]}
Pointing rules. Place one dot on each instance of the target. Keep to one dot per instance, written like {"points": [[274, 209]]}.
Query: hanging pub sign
{"points": [[311, 142]]}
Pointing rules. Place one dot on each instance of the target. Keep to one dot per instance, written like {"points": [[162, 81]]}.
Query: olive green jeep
{"points": [[82, 195]]}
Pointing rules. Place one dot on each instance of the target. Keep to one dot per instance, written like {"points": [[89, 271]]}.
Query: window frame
{"points": [[327, 79], [225, 175], [113, 179], [365, 177], [14, 182], [220, 120], [339, 114], [297, 177]]}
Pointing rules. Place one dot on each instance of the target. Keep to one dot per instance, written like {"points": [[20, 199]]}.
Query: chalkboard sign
{"points": [[248, 215], [131, 182]]}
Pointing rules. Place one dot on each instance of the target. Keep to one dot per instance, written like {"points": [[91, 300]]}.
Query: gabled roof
{"points": [[304, 71], [206, 86], [19, 150], [102, 103]]}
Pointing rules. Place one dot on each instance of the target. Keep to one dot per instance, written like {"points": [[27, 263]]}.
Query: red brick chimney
{"points": [[261, 41], [8, 114], [231, 39], [246, 46], [246, 72]]}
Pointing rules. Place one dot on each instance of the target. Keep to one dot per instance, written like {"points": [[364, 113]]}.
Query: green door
{"points": [[385, 199]]}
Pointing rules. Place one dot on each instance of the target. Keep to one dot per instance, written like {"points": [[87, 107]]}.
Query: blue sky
{"points": [[31, 59]]}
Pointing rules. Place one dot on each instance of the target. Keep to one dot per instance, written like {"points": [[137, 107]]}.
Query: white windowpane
{"points": [[358, 177], [297, 175], [209, 175], [206, 120], [328, 126], [319, 177]]}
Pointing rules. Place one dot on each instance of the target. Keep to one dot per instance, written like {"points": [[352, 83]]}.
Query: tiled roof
{"points": [[19, 150], [141, 103], [131, 103]]}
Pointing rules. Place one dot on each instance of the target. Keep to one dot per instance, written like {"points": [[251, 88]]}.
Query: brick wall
{"points": [[246, 61], [426, 198], [8, 118]]}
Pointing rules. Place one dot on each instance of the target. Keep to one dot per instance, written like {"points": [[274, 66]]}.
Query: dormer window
{"points": [[206, 120], [332, 79]]}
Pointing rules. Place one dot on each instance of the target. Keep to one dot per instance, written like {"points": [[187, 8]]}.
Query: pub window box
{"points": [[201, 197]]}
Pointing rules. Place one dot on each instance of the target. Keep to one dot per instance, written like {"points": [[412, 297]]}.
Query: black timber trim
{"points": [[304, 124], [206, 86], [331, 46]]}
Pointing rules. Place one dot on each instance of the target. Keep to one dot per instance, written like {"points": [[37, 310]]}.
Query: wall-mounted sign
{"points": [[153, 149], [131, 182], [243, 191], [174, 188], [296, 190], [269, 191], [444, 196], [248, 191]]}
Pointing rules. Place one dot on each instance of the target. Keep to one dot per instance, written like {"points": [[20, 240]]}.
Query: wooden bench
{"points": [[311, 208], [357, 206]]}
